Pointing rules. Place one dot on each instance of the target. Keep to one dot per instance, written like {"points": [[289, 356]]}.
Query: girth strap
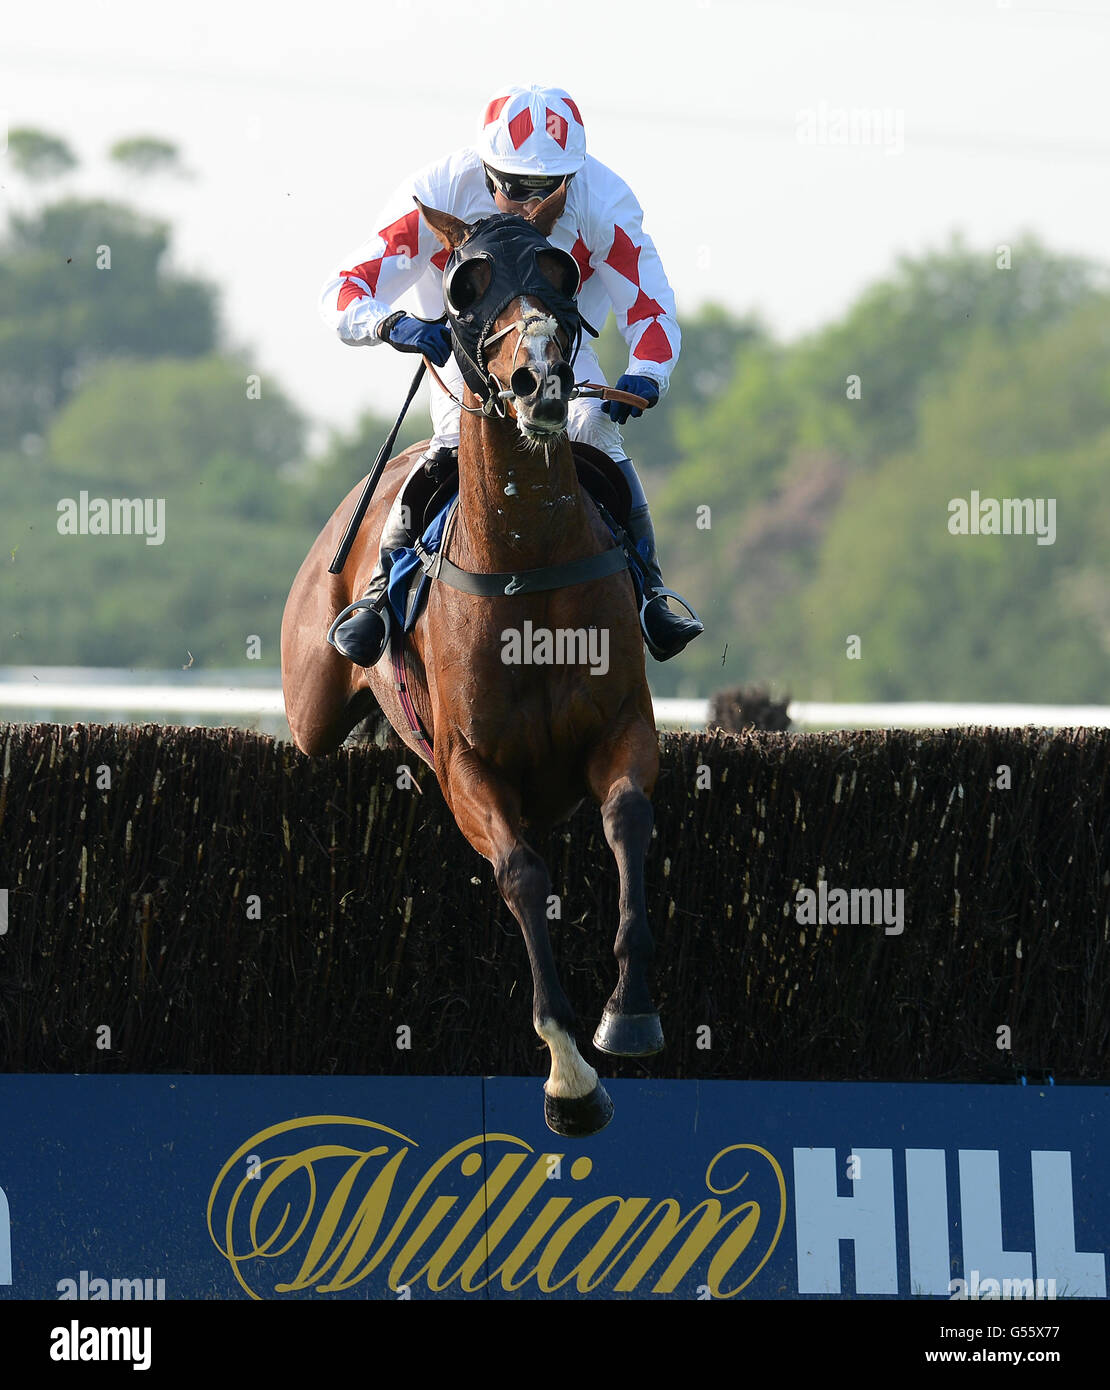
{"points": [[609, 562]]}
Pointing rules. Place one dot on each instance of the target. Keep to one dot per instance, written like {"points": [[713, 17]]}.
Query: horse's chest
{"points": [[540, 743]]}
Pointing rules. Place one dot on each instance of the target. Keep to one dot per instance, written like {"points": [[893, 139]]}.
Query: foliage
{"points": [[39, 156], [711, 340], [145, 155], [792, 509], [82, 282], [812, 492]]}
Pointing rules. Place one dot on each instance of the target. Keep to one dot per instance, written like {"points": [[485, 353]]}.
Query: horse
{"points": [[514, 746]]}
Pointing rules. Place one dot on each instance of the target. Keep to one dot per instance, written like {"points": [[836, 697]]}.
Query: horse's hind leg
{"points": [[488, 814], [621, 776]]}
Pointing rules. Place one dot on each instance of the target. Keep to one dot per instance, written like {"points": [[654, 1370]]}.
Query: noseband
{"points": [[532, 321]]}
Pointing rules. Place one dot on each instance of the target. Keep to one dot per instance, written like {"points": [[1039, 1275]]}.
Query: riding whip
{"points": [[336, 566]]}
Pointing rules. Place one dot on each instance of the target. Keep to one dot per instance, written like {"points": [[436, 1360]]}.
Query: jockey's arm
{"points": [[358, 297], [636, 283]]}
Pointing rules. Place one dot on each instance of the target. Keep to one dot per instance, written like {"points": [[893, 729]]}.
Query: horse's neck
{"points": [[515, 511]]}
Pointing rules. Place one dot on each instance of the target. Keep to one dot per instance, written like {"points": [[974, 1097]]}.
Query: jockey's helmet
{"points": [[530, 138]]}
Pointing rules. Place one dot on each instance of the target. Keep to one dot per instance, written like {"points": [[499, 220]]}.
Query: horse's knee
{"points": [[520, 873], [627, 813]]}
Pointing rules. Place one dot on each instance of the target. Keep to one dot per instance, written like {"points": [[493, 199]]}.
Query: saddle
{"points": [[433, 497]]}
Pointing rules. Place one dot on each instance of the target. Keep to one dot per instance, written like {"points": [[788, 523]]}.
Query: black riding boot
{"points": [[665, 633], [361, 631]]}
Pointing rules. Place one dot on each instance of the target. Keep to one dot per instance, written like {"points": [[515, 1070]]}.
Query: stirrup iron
{"points": [[665, 593], [381, 607]]}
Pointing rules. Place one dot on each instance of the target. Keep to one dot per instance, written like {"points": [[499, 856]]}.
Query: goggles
{"points": [[520, 188]]}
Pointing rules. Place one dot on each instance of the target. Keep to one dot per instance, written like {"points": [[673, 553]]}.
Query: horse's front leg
{"points": [[487, 811], [621, 776]]}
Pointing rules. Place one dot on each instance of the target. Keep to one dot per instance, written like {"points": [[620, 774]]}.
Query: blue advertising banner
{"points": [[269, 1187]]}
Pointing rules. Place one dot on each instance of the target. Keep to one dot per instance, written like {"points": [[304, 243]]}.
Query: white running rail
{"points": [[50, 692]]}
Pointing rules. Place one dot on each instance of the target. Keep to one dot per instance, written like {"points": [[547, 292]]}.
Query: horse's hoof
{"points": [[629, 1035], [578, 1117]]}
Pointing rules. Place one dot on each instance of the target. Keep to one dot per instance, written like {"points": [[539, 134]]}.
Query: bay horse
{"points": [[513, 746]]}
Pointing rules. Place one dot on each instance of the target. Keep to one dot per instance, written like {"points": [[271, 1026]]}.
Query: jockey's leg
{"points": [[364, 635], [665, 633]]}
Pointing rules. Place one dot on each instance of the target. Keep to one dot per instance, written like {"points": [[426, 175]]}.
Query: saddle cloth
{"points": [[408, 584]]}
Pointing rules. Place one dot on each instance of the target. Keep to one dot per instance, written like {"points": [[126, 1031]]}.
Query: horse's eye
{"points": [[468, 283]]}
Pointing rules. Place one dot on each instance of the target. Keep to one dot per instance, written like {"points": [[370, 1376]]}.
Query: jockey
{"points": [[530, 139]]}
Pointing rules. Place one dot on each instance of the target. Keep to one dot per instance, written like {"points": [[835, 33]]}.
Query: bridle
{"points": [[517, 260], [510, 245], [495, 401]]}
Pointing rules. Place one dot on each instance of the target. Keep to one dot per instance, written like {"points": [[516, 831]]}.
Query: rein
{"points": [[592, 389], [487, 407]]}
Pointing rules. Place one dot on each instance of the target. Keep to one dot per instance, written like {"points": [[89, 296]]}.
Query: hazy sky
{"points": [[298, 120]]}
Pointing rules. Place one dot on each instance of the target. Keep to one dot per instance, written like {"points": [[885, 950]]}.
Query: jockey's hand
{"points": [[408, 334], [619, 411]]}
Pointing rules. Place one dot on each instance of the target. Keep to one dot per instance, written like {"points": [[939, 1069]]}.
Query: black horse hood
{"points": [[510, 245]]}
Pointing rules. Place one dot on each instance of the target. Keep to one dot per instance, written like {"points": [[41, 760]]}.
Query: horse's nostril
{"points": [[524, 383], [550, 408], [548, 392]]}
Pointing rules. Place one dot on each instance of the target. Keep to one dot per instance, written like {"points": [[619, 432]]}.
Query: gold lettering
{"points": [[534, 1182], [288, 1166], [352, 1253], [310, 1270], [397, 1276], [732, 1248], [528, 1242], [363, 1228], [418, 1195], [635, 1207], [628, 1209], [670, 1225], [475, 1212]]}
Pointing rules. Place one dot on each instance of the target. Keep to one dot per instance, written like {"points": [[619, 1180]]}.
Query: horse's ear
{"points": [[550, 210], [451, 231]]}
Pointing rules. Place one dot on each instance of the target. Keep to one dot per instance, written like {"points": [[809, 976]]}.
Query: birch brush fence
{"points": [[210, 900]]}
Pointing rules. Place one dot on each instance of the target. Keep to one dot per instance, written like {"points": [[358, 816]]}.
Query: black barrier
{"points": [[890, 906]]}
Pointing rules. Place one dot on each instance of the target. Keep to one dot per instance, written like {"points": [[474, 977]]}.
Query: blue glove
{"points": [[618, 411], [408, 334]]}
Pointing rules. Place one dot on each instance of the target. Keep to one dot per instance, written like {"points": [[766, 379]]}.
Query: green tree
{"points": [[146, 155], [776, 450], [347, 458], [82, 282], [711, 340], [947, 616], [39, 156], [187, 435], [913, 328], [184, 425]]}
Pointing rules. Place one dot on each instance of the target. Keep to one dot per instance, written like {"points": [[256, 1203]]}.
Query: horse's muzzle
{"points": [[542, 398]]}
